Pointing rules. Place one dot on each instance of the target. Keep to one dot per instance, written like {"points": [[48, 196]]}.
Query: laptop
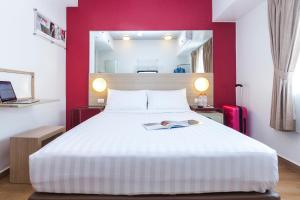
{"points": [[8, 96]]}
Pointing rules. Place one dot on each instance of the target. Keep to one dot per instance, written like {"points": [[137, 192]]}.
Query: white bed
{"points": [[112, 153]]}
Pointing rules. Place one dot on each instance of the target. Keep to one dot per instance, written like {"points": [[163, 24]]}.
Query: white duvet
{"points": [[113, 154]]}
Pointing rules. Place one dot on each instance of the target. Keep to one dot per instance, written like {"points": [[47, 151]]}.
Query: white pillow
{"points": [[167, 100], [126, 100]]}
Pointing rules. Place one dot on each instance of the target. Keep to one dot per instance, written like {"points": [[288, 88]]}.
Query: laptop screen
{"points": [[6, 91]]}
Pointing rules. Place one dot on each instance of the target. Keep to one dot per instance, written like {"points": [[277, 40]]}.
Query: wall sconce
{"points": [[201, 84], [99, 85]]}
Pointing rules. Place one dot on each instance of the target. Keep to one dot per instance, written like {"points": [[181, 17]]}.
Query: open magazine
{"points": [[169, 124]]}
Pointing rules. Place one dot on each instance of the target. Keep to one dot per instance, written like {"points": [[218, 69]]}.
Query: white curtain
{"points": [[296, 83], [283, 24]]}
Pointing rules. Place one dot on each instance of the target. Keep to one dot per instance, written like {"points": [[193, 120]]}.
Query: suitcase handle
{"points": [[239, 85], [241, 119], [245, 126]]}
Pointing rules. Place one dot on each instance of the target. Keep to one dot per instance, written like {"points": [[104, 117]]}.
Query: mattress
{"points": [[113, 154]]}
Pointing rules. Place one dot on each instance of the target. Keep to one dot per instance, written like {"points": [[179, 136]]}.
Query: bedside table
{"points": [[79, 115], [215, 114]]}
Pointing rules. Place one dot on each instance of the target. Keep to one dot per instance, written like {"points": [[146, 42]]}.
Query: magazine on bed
{"points": [[169, 125]]}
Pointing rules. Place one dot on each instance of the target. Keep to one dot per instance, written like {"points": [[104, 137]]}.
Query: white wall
{"points": [[21, 50], [231, 10], [128, 52], [255, 71], [219, 6]]}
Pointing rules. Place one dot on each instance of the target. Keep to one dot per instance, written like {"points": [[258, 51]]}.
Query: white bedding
{"points": [[113, 154]]}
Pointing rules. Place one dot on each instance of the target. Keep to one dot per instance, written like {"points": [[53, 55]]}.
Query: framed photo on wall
{"points": [[49, 30]]}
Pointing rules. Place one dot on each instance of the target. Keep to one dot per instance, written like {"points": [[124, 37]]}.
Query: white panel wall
{"points": [[255, 71], [21, 50]]}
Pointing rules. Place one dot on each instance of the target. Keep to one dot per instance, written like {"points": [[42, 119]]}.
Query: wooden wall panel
{"points": [[150, 82]]}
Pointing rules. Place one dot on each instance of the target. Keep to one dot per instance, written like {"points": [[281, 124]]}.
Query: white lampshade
{"points": [[99, 84], [201, 84]]}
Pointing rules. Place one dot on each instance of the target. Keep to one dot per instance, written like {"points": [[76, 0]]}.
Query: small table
{"points": [[212, 113], [25, 144], [79, 115]]}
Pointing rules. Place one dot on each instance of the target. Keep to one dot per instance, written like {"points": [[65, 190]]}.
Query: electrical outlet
{"points": [[100, 101], [196, 100]]}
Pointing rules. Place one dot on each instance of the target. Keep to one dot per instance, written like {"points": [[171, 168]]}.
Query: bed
{"points": [[112, 156]]}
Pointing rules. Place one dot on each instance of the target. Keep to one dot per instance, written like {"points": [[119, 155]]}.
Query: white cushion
{"points": [[126, 100], [167, 100]]}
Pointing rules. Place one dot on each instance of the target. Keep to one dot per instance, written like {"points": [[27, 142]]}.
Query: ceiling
{"points": [[144, 35]]}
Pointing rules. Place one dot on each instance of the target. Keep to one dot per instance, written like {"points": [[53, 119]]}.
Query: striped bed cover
{"points": [[113, 154]]}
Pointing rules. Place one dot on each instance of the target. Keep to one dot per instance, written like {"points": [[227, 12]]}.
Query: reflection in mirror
{"points": [[151, 52]]}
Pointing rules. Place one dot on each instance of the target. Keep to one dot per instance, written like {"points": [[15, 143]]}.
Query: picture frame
{"points": [[49, 30]]}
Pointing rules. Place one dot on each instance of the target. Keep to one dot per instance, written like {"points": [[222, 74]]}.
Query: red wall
{"points": [[145, 15]]}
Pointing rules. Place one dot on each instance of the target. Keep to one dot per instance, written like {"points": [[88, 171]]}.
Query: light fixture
{"points": [[126, 37], [201, 84], [140, 33], [168, 37], [99, 84]]}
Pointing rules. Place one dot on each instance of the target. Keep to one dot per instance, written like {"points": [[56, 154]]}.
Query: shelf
{"points": [[42, 101]]}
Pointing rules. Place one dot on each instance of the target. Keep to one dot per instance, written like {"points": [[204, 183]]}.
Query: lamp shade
{"points": [[201, 84], [99, 84]]}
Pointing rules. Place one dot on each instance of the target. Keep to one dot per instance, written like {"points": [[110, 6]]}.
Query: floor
{"points": [[288, 187], [289, 183]]}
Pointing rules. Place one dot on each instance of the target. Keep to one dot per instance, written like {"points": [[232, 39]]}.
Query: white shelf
{"points": [[42, 101]]}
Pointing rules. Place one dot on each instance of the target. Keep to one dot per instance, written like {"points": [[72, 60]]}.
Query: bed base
{"points": [[211, 196]]}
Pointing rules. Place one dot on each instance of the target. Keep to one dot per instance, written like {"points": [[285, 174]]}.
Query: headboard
{"points": [[150, 82]]}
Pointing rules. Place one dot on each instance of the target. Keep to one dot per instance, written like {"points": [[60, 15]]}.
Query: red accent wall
{"points": [[145, 15]]}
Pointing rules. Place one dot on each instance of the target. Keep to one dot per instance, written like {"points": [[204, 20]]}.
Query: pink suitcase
{"points": [[236, 117]]}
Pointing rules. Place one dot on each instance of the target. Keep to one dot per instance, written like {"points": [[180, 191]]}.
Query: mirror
{"points": [[151, 51]]}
